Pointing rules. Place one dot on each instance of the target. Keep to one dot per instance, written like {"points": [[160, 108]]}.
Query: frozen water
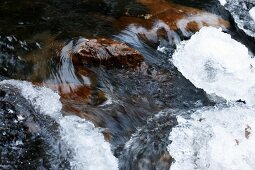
{"points": [[215, 138], [215, 62]]}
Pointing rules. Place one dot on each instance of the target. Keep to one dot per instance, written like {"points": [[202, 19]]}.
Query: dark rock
{"points": [[239, 9], [28, 139], [147, 148]]}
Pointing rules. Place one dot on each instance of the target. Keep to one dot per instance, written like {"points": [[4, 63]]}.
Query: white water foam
{"points": [[85, 142], [215, 62], [215, 139]]}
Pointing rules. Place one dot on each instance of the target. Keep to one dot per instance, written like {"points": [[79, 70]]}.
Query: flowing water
{"points": [[189, 105]]}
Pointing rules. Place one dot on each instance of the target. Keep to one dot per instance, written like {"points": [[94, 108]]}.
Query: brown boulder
{"points": [[109, 53]]}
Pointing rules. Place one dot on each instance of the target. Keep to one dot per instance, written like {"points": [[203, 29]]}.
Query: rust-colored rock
{"points": [[174, 15], [107, 135], [192, 26], [78, 93], [77, 109], [110, 53]]}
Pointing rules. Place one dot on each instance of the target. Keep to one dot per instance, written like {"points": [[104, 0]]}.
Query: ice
{"points": [[89, 149], [216, 139], [252, 13], [43, 99], [219, 137], [215, 62]]}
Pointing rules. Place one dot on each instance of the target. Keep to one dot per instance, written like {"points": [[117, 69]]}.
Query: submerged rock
{"points": [[28, 139]]}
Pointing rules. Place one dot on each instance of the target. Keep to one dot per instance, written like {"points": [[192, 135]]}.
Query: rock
{"points": [[174, 15], [147, 148], [28, 139], [106, 52], [241, 11]]}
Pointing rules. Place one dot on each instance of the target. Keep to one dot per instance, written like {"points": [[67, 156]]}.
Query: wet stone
{"points": [[239, 9], [147, 148], [106, 52]]}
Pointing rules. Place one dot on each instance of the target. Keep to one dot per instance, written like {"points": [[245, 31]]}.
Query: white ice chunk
{"points": [[215, 62], [89, 149], [215, 139]]}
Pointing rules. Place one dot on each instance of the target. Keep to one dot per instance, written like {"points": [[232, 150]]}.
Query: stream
{"points": [[138, 84]]}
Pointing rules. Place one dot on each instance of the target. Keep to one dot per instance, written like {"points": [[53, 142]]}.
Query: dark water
{"points": [[33, 32]]}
